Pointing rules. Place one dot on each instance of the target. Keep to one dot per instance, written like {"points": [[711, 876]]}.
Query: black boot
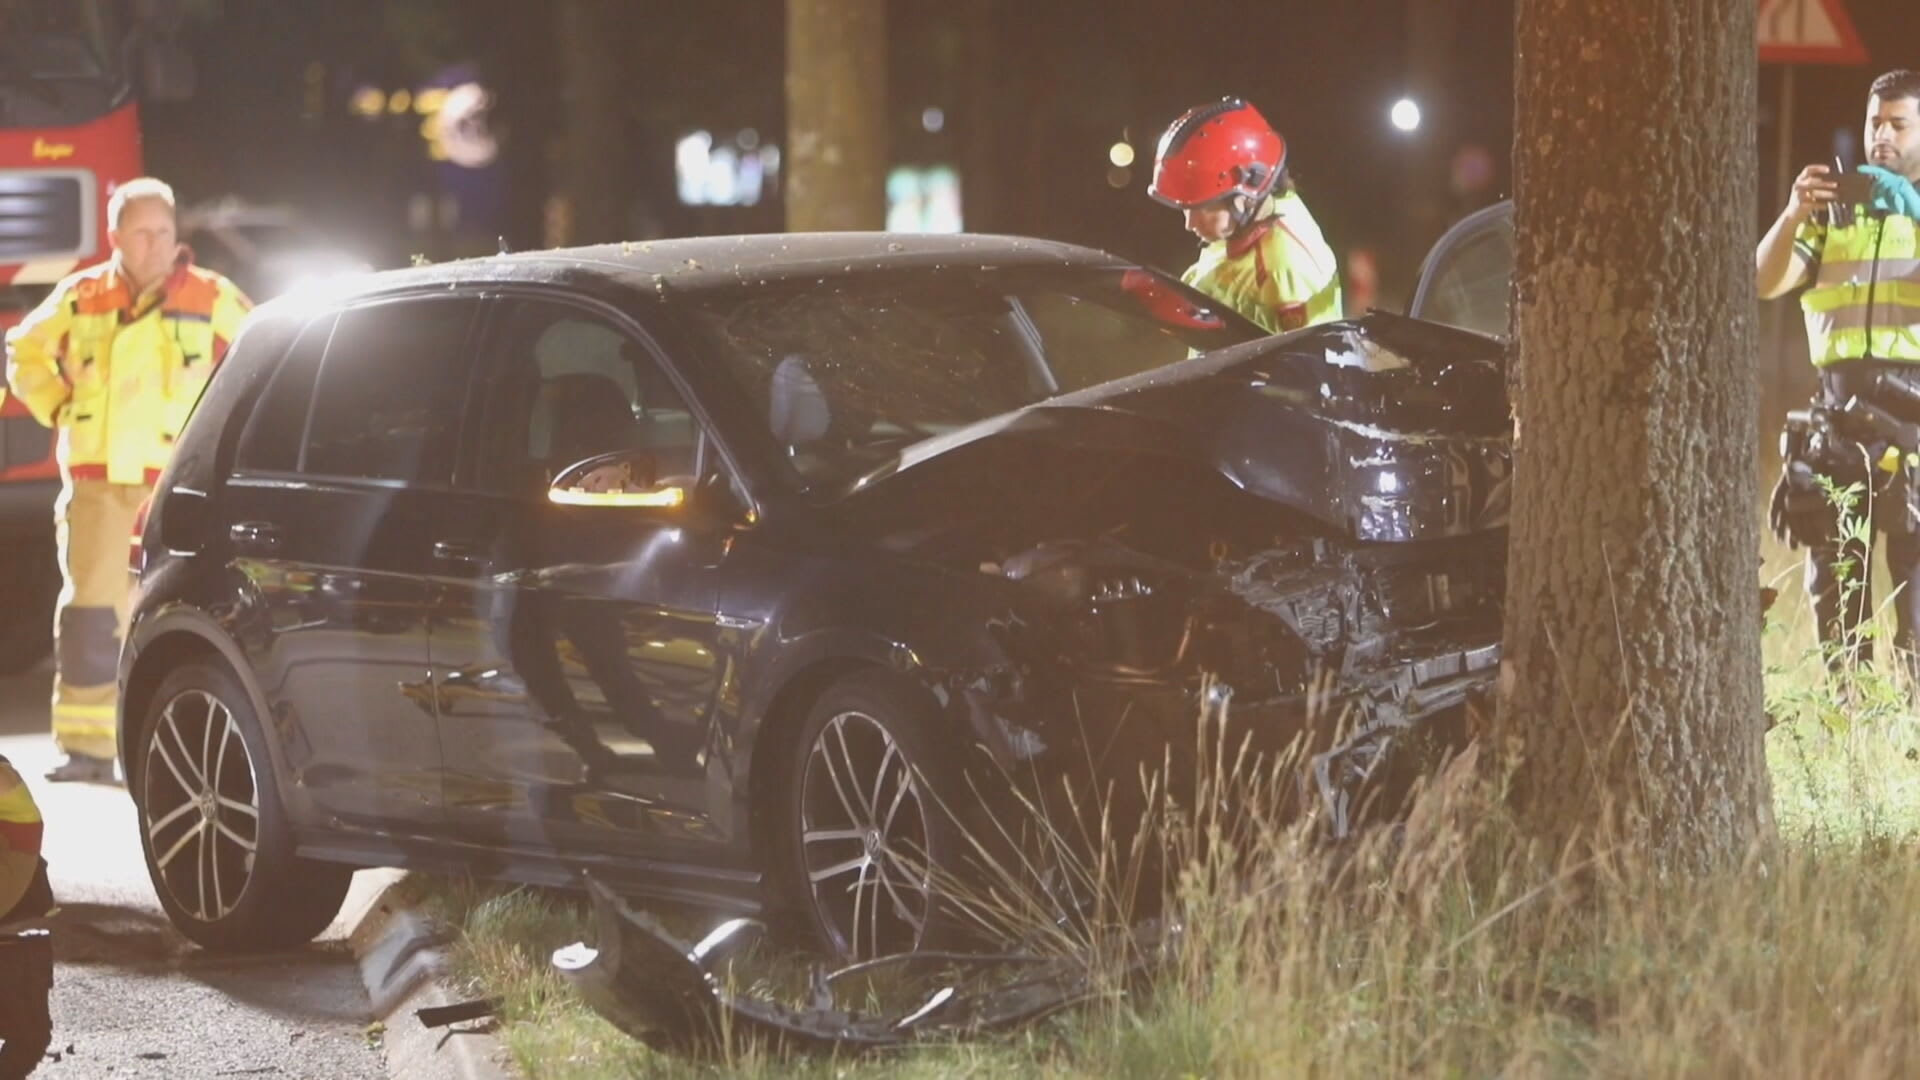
{"points": [[83, 768], [26, 1022]]}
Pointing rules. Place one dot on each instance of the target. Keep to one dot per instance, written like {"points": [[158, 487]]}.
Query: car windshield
{"points": [[59, 61], [848, 373]]}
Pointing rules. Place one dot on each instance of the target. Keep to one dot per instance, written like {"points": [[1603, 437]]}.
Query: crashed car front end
{"points": [[1304, 540], [1309, 542], [1293, 547]]}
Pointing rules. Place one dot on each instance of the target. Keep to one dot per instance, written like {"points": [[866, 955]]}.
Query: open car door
{"points": [[1467, 278]]}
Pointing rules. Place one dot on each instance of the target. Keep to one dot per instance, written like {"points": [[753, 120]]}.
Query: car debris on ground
{"points": [[675, 998]]}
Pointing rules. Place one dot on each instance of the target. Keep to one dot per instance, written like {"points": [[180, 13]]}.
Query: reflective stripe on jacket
{"points": [[1865, 298], [1278, 271], [20, 824], [118, 375]]}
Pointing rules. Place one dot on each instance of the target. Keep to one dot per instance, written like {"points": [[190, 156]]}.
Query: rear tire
{"points": [[212, 825], [30, 579]]}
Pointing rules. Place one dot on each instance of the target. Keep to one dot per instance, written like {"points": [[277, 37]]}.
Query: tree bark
{"points": [[1632, 689], [836, 161], [592, 153], [982, 84]]}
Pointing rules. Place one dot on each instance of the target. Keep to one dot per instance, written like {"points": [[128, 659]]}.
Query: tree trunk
{"points": [[1632, 692], [982, 84], [593, 150], [836, 161]]}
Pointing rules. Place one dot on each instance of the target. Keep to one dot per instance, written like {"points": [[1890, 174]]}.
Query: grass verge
{"points": [[1795, 965]]}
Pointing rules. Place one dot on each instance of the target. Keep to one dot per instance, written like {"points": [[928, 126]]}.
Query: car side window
{"points": [[391, 389], [271, 441], [565, 384]]}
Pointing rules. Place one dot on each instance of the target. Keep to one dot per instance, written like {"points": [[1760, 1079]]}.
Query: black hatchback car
{"points": [[746, 571]]}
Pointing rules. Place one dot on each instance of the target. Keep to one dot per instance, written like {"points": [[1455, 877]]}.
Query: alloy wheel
{"points": [[863, 837], [202, 805]]}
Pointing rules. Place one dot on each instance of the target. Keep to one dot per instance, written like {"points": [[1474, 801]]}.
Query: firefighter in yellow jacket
{"points": [[1225, 168], [114, 358]]}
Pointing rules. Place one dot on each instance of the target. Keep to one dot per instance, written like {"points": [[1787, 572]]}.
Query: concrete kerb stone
{"points": [[403, 962]]}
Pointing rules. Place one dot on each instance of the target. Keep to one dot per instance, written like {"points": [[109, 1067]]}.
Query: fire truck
{"points": [[71, 72]]}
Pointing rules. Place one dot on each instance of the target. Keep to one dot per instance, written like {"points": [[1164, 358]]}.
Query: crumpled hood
{"points": [[1386, 428]]}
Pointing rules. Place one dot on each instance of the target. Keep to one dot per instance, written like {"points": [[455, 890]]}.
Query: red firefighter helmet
{"points": [[1216, 150]]}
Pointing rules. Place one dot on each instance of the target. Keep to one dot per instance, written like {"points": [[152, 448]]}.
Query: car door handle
{"points": [[460, 554], [257, 535]]}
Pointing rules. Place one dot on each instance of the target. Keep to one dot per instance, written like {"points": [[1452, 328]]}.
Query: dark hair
{"points": [[1900, 83]]}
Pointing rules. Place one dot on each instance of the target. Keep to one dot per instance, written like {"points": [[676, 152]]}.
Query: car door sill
{"points": [[735, 891]]}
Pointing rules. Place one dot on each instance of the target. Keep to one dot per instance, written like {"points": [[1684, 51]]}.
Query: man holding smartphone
{"points": [[1852, 241]]}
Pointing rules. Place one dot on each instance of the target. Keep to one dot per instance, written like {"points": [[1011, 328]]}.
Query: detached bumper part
{"points": [[666, 994]]}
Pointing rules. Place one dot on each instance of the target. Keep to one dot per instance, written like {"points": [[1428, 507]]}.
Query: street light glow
{"points": [[1406, 114], [1121, 154]]}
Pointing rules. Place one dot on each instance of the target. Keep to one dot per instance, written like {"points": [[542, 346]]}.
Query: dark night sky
{"points": [[1046, 87]]}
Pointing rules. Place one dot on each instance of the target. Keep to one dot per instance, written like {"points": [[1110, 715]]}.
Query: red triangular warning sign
{"points": [[1808, 32]]}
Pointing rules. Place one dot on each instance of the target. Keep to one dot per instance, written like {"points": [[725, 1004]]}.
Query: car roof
{"points": [[712, 262]]}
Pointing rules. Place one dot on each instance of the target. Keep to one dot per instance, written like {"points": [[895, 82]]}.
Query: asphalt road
{"points": [[131, 997]]}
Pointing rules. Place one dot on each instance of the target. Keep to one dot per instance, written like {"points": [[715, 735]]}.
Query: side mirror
{"points": [[623, 478]]}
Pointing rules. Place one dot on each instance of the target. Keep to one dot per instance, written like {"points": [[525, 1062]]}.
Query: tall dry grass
{"points": [[1438, 951], [1449, 953]]}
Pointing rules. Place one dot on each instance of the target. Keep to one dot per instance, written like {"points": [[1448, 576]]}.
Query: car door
{"points": [[577, 662], [1467, 278], [341, 470]]}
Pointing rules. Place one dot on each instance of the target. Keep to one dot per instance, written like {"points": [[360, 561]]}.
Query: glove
{"points": [[1777, 514], [1892, 192]]}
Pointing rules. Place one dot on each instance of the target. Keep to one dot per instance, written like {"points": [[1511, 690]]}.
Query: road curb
{"points": [[403, 963]]}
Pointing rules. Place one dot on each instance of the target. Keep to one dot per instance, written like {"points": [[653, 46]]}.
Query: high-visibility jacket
{"points": [[1278, 271], [20, 824], [20, 836], [118, 374], [1864, 302]]}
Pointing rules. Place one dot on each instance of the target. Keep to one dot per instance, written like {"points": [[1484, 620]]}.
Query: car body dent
{"points": [[1359, 453]]}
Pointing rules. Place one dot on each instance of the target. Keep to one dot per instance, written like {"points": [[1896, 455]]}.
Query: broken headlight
{"points": [[1112, 614]]}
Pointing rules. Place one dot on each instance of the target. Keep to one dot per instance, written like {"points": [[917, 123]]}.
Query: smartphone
{"points": [[1853, 189]]}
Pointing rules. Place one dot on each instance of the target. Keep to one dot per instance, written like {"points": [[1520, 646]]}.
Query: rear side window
{"points": [[390, 393], [271, 442]]}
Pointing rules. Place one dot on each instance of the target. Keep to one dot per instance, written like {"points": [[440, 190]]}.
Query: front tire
{"points": [[212, 825], [869, 831]]}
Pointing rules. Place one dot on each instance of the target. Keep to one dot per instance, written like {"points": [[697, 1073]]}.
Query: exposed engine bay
{"points": [[1323, 558]]}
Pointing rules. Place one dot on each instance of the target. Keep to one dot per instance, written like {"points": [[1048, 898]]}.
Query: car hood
{"points": [[1382, 427]]}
